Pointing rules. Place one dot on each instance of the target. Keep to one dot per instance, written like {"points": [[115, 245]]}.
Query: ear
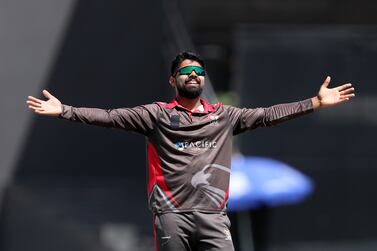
{"points": [[172, 81]]}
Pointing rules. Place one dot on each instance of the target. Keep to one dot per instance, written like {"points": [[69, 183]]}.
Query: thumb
{"points": [[47, 94], [327, 81]]}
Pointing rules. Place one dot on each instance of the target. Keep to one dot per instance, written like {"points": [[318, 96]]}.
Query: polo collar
{"points": [[207, 108]]}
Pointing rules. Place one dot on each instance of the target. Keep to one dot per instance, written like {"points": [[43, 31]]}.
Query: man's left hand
{"points": [[332, 96]]}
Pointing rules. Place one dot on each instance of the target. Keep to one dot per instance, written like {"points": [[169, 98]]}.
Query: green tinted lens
{"points": [[188, 69]]}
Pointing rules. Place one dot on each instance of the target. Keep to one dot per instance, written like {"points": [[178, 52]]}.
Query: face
{"points": [[188, 86]]}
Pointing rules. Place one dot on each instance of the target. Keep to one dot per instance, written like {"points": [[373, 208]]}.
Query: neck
{"points": [[190, 104]]}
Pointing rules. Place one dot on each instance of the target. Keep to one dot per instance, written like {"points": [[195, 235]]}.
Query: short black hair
{"points": [[181, 57]]}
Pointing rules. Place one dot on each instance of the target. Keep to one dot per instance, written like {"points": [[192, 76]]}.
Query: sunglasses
{"points": [[188, 69]]}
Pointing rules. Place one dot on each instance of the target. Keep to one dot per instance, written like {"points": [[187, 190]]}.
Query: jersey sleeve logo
{"points": [[174, 121]]}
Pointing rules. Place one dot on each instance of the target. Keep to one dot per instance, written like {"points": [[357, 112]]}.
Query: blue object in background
{"points": [[257, 181]]}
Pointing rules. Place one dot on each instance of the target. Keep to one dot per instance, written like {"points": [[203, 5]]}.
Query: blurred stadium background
{"points": [[66, 186]]}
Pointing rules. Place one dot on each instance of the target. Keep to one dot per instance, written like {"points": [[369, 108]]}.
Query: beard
{"points": [[189, 92]]}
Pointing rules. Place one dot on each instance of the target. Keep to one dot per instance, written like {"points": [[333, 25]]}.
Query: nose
{"points": [[193, 73]]}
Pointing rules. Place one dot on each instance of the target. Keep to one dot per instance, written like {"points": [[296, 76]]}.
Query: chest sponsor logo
{"points": [[201, 144]]}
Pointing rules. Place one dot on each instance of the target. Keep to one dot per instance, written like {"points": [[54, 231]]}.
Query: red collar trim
{"points": [[207, 107]]}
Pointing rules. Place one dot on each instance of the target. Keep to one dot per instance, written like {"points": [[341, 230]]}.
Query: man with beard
{"points": [[189, 150]]}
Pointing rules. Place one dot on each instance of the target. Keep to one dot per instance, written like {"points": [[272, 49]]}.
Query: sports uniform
{"points": [[189, 155]]}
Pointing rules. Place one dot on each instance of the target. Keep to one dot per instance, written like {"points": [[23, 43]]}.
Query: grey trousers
{"points": [[192, 231]]}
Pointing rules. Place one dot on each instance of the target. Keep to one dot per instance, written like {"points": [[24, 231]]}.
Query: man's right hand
{"points": [[51, 107]]}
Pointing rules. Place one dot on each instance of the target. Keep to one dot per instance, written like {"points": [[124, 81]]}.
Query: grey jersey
{"points": [[189, 153]]}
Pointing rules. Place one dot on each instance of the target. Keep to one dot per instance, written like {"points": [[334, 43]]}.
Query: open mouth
{"points": [[192, 82]]}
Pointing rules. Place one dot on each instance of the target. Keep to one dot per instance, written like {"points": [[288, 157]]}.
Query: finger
{"points": [[346, 91], [33, 103], [343, 87], [47, 94], [327, 81], [348, 96], [342, 100], [34, 108], [39, 111], [34, 99]]}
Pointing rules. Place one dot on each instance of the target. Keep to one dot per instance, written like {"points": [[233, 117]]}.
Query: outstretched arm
{"points": [[332, 96], [140, 119], [51, 107], [247, 119]]}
